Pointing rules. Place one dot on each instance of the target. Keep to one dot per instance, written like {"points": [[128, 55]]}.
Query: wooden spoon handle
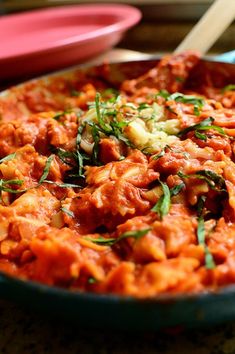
{"points": [[209, 28]]}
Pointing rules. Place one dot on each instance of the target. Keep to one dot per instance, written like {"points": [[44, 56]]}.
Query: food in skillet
{"points": [[128, 191]]}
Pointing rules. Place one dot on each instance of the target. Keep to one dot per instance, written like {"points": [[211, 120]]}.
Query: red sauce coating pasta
{"points": [[129, 192]]}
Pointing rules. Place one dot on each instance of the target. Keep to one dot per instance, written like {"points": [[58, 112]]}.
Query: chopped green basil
{"points": [[78, 155], [46, 169], [4, 186], [230, 87], [75, 93], [200, 135], [102, 240], [206, 124], [62, 185], [65, 156], [201, 235], [8, 157], [179, 79], [96, 138], [176, 189], [215, 181], [143, 105], [161, 153], [162, 206], [137, 234], [197, 102], [68, 212], [92, 280]]}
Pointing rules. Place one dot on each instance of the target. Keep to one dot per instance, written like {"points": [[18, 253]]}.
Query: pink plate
{"points": [[49, 39]]}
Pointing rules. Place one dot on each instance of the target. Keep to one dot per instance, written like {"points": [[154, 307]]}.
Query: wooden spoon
{"points": [[209, 28]]}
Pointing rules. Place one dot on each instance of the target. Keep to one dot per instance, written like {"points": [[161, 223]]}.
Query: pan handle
{"points": [[228, 57]]}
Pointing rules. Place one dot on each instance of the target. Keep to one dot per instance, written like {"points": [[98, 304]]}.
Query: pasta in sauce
{"points": [[128, 191]]}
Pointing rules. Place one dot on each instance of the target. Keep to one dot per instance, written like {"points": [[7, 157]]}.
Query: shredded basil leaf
{"points": [[200, 135], [230, 87], [197, 102], [162, 206], [102, 240], [106, 129], [65, 156], [179, 79], [46, 169], [4, 186], [215, 181], [75, 93], [206, 124], [161, 153], [78, 154], [201, 235], [135, 234], [8, 157], [63, 185], [110, 91], [176, 189], [92, 280], [112, 127], [163, 93], [179, 97], [143, 105], [58, 115], [209, 260], [68, 212], [200, 205], [112, 241], [18, 182], [96, 138]]}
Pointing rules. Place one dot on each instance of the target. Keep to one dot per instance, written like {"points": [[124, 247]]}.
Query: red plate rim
{"points": [[128, 16]]}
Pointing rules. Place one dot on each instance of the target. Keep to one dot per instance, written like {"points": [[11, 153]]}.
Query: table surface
{"points": [[24, 332]]}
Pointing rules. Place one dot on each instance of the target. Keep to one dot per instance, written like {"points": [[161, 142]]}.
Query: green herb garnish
{"points": [[75, 93], [112, 241], [201, 235], [79, 156], [197, 102], [230, 87], [176, 189], [96, 138], [62, 185], [142, 106], [179, 79], [102, 240], [161, 153], [215, 181], [206, 124], [163, 204], [104, 127], [111, 127], [92, 280], [58, 115], [200, 135], [110, 92], [46, 169], [68, 212], [5, 186], [163, 93], [65, 156], [8, 157]]}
